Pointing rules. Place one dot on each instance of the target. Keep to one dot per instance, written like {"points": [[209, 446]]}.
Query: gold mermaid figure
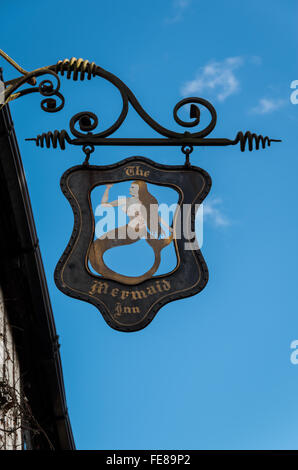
{"points": [[144, 222]]}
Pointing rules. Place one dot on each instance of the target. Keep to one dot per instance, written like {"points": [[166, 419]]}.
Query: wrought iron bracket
{"points": [[87, 122]]}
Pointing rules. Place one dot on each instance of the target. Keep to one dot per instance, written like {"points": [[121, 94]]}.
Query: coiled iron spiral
{"points": [[52, 138], [74, 67], [250, 139]]}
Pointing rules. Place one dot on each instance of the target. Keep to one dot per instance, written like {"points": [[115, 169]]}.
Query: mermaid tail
{"points": [[120, 238]]}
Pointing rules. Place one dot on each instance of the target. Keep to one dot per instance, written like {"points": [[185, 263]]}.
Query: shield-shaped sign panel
{"points": [[118, 217]]}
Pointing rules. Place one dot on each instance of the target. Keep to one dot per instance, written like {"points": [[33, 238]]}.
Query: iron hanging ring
{"points": [[87, 149], [187, 150]]}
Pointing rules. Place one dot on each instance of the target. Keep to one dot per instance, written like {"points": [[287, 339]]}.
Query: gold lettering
{"points": [[129, 171], [138, 294], [93, 289], [151, 290], [115, 292], [135, 309], [166, 284], [158, 287], [99, 287], [136, 171], [124, 294], [118, 310]]}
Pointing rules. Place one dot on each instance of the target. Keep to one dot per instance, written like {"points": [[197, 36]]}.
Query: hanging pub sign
{"points": [[118, 208], [129, 303]]}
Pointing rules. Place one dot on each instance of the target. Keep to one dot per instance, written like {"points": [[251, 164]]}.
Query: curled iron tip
{"points": [[250, 139]]}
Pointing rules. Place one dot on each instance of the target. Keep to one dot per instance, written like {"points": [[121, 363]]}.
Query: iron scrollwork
{"points": [[79, 69]]}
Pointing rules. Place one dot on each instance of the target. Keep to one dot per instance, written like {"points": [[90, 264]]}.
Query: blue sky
{"points": [[212, 371]]}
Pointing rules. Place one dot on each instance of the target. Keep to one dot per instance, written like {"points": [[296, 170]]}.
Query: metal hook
{"points": [[87, 149], [187, 150]]}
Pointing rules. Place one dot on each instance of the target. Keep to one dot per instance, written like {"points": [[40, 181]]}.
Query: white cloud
{"points": [[267, 105], [216, 77], [179, 6], [213, 212]]}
